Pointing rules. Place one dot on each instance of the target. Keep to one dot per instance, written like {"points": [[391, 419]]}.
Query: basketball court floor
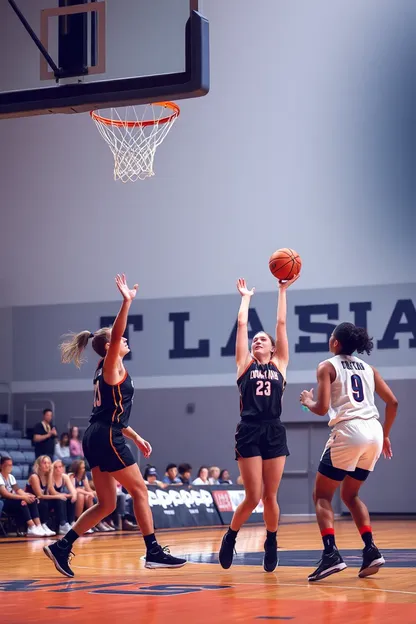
{"points": [[111, 585]]}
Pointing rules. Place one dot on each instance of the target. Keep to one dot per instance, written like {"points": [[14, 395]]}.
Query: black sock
{"points": [[272, 536], [367, 538], [69, 538], [150, 541], [232, 533], [329, 543]]}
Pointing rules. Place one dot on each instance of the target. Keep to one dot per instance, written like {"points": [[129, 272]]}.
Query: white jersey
{"points": [[352, 392]]}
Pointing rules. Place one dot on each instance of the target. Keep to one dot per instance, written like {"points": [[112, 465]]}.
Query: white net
{"points": [[133, 134]]}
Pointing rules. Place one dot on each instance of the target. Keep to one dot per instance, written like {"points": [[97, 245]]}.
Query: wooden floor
{"points": [[112, 586]]}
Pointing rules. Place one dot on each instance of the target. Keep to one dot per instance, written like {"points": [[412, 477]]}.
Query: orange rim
{"points": [[137, 124]]}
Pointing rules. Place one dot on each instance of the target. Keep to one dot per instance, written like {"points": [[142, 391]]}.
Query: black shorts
{"points": [[265, 439], [105, 446]]}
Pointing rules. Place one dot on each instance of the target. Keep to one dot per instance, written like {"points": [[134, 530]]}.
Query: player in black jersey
{"points": [[261, 448], [104, 442]]}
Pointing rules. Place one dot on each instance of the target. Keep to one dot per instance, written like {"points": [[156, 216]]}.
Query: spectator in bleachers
{"points": [[240, 480], [184, 471], [202, 478], [75, 446], [50, 505], [150, 477], [17, 503], [44, 434], [214, 475], [225, 477], [85, 494], [171, 475], [62, 447], [62, 484]]}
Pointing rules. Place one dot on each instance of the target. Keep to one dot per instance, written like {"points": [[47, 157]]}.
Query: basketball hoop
{"points": [[133, 134]]}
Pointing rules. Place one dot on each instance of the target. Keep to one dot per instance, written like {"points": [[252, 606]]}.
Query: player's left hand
{"points": [[305, 396], [285, 284], [143, 446]]}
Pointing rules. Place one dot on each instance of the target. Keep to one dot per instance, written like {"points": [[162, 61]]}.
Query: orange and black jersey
{"points": [[112, 404], [261, 389]]}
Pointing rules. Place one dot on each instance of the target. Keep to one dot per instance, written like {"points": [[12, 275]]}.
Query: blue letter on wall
{"points": [[395, 326], [307, 325], [179, 350], [360, 309]]}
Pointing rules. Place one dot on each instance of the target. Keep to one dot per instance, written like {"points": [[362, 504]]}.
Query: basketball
{"points": [[285, 263]]}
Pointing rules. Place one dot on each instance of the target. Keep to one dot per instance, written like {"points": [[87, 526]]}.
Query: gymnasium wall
{"points": [[306, 139]]}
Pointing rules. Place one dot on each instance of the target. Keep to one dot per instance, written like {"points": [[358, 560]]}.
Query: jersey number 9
{"points": [[357, 388]]}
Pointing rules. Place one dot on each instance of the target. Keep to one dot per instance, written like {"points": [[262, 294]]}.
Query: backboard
{"points": [[100, 53]]}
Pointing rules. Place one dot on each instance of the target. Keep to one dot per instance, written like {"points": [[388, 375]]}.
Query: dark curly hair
{"points": [[353, 338]]}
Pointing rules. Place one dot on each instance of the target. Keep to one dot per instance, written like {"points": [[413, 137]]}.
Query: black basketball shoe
{"points": [[372, 561], [226, 553], [270, 560], [61, 555], [159, 557], [331, 563]]}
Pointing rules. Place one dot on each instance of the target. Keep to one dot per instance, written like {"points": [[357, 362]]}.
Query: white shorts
{"points": [[353, 444]]}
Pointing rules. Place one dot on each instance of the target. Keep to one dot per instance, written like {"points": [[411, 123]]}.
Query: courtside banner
{"points": [[228, 498], [182, 506]]}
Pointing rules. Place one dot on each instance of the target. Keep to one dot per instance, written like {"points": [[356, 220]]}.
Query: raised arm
{"points": [[385, 393], [242, 354], [281, 353], [113, 372]]}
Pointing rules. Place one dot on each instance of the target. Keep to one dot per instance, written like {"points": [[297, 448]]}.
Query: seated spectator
{"points": [[225, 477], [17, 503], [150, 477], [85, 493], [184, 471], [40, 484], [44, 434], [171, 475], [62, 484], [62, 447], [202, 478], [214, 475], [75, 446], [240, 480]]}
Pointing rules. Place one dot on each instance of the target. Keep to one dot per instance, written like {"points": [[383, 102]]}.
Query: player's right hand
{"points": [[128, 293]]}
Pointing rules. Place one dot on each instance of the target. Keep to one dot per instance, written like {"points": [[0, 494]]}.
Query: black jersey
{"points": [[261, 388], [112, 404]]}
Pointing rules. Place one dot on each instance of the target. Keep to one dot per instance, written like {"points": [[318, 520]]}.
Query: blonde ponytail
{"points": [[73, 346]]}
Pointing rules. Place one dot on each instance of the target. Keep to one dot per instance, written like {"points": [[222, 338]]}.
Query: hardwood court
{"points": [[112, 586]]}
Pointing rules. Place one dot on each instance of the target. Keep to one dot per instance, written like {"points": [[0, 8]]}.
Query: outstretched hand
{"points": [[242, 288], [128, 294], [283, 284]]}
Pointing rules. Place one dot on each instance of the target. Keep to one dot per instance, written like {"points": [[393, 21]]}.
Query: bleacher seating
{"points": [[19, 449]]}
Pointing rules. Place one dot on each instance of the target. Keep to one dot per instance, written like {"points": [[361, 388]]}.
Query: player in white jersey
{"points": [[346, 386]]}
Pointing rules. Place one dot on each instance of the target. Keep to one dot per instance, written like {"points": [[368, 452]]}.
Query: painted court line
{"points": [[306, 584]]}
